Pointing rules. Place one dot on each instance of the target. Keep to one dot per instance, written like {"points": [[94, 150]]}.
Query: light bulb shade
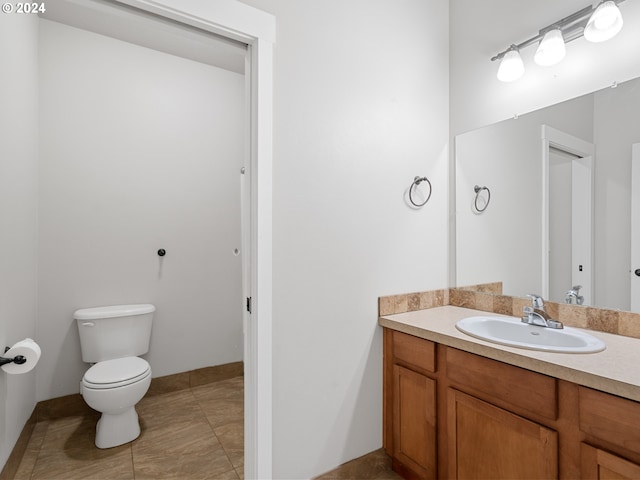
{"points": [[551, 49], [511, 67], [605, 23]]}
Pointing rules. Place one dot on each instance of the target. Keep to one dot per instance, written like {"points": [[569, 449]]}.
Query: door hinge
{"points": [[249, 304]]}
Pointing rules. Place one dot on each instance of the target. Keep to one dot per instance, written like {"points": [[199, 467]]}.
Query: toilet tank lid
{"points": [[113, 311]]}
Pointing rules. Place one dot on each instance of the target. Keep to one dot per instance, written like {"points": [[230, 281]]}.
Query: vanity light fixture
{"points": [[511, 67], [596, 24], [605, 23], [551, 49]]}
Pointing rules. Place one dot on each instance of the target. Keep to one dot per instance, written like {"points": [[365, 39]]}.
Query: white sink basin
{"points": [[514, 333]]}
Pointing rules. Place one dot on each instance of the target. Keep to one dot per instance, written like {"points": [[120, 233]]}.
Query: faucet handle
{"points": [[574, 294], [537, 300]]}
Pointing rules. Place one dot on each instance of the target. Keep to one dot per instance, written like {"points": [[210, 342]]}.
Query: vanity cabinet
{"points": [[414, 421], [601, 465], [412, 434], [454, 414], [486, 441], [611, 428], [490, 431]]}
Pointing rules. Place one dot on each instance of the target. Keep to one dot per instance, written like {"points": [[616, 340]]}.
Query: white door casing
{"points": [[581, 209], [635, 227], [238, 21]]}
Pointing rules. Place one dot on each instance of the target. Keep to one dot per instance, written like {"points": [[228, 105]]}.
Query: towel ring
{"points": [[479, 189], [417, 181]]}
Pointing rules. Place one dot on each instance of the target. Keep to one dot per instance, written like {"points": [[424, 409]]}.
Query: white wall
{"points": [[500, 155], [361, 92], [505, 242], [479, 30], [140, 150], [613, 191], [18, 214]]}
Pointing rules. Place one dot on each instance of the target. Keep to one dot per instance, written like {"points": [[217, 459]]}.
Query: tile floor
{"points": [[373, 466], [195, 433]]}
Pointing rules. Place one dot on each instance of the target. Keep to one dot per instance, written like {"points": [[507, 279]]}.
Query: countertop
{"points": [[615, 370]]}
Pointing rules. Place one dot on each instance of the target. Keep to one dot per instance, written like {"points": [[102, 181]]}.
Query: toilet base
{"points": [[117, 429]]}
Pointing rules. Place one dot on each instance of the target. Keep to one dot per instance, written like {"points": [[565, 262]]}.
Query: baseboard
{"points": [[195, 378]]}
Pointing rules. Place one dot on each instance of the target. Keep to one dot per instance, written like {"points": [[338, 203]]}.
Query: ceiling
{"points": [[134, 26]]}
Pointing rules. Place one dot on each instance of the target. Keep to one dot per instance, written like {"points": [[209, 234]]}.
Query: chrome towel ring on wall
{"points": [[478, 189], [417, 181]]}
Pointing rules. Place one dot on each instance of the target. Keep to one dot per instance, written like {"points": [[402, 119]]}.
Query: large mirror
{"points": [[559, 190]]}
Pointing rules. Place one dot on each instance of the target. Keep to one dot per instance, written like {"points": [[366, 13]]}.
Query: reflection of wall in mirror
{"points": [[504, 243], [480, 29], [616, 128]]}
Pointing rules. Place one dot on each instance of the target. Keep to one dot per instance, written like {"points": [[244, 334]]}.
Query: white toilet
{"points": [[111, 338]]}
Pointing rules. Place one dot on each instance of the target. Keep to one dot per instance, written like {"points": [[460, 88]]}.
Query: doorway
{"points": [[567, 215], [240, 22], [140, 151], [635, 228]]}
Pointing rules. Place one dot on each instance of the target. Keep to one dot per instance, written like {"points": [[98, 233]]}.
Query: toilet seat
{"points": [[116, 373]]}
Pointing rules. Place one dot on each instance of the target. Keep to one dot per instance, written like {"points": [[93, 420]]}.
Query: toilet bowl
{"points": [[111, 338], [113, 388]]}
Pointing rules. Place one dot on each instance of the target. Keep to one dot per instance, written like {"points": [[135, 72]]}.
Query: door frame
{"points": [[552, 137], [635, 228], [257, 29]]}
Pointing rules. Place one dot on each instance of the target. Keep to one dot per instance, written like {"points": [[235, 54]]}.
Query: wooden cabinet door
{"points": [[491, 443], [414, 421], [601, 465]]}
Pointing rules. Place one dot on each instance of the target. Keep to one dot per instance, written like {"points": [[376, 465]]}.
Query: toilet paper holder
{"points": [[18, 359]]}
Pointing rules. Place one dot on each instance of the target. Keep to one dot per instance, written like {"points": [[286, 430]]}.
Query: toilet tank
{"points": [[114, 332]]}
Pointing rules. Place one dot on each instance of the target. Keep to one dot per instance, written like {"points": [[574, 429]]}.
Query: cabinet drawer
{"points": [[505, 384], [610, 418], [414, 351]]}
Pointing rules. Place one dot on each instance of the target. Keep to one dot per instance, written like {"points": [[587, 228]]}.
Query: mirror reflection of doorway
{"points": [[569, 191], [567, 216], [635, 227]]}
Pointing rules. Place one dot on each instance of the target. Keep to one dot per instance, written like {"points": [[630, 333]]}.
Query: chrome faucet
{"points": [[536, 314], [573, 296]]}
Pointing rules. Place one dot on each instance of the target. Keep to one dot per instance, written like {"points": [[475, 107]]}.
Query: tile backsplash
{"points": [[489, 298]]}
